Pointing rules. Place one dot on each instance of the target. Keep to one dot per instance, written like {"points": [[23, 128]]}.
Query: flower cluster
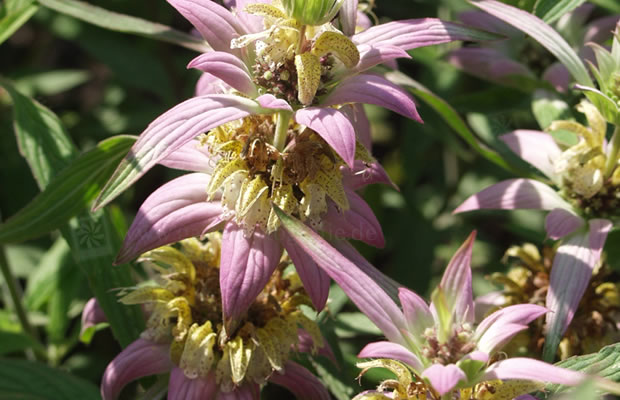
{"points": [[596, 322], [185, 332], [442, 352], [278, 144]]}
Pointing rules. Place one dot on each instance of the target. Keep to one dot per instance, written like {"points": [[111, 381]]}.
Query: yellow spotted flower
{"points": [[186, 334], [597, 319], [437, 351], [582, 193]]}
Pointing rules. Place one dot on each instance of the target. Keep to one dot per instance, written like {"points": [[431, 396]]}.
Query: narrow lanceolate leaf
{"points": [[69, 192], [550, 10], [603, 364], [41, 138], [92, 238], [18, 378], [14, 19], [542, 33], [125, 23], [452, 118]]}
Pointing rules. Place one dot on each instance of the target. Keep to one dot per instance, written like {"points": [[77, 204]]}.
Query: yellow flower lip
{"points": [[251, 174]]}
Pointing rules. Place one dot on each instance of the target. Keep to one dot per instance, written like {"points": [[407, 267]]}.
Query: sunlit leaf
{"points": [[551, 10], [68, 193], [125, 23], [43, 281], [42, 139], [93, 240], [14, 19], [548, 107]]}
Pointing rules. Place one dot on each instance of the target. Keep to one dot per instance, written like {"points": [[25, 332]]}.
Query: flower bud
{"points": [[312, 12]]}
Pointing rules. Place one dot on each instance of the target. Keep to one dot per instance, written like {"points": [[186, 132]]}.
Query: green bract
{"points": [[312, 12]]}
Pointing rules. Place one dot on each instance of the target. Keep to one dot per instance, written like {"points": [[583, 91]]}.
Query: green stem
{"points": [[279, 139], [612, 156], [302, 39], [16, 295]]}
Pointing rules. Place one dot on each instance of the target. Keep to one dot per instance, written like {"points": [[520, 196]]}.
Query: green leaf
{"points": [[69, 192], [542, 33], [608, 108], [611, 5], [24, 380], [603, 364], [14, 19], [44, 279], [86, 336], [351, 324], [51, 82], [11, 342], [551, 10], [41, 137], [93, 240], [59, 305], [452, 118], [548, 107], [125, 23]]}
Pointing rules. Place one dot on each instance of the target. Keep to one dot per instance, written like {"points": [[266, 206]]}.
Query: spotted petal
{"points": [[570, 273], [175, 211], [513, 194], [373, 89], [333, 126], [139, 359], [245, 268]]}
